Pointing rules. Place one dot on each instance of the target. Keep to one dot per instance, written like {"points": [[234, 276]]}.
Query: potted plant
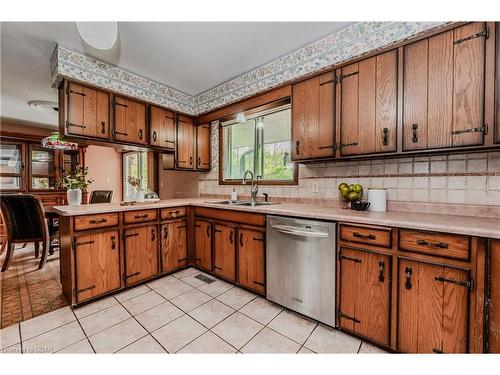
{"points": [[75, 180], [136, 183]]}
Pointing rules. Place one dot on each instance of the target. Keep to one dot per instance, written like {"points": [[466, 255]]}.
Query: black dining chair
{"points": [[24, 218], [101, 196]]}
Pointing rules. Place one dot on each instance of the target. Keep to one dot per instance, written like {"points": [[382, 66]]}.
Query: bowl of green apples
{"points": [[350, 193]]}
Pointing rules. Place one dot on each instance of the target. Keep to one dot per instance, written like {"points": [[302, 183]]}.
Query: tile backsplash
{"points": [[469, 178]]}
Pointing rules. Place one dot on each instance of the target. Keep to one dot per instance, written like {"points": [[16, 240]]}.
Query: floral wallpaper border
{"points": [[351, 42]]}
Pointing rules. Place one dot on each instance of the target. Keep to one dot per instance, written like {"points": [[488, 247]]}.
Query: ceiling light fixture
{"points": [[240, 117], [44, 106], [100, 35]]}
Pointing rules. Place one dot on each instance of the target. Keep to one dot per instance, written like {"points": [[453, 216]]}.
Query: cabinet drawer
{"points": [[139, 216], [366, 235], [96, 221], [172, 212], [440, 244]]}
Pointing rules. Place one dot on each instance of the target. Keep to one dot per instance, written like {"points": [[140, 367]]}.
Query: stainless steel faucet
{"points": [[254, 189]]}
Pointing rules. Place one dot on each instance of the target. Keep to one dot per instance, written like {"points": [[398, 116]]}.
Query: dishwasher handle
{"points": [[287, 229]]}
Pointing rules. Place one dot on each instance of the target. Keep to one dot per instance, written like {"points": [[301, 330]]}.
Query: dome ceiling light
{"points": [[44, 106], [99, 35]]}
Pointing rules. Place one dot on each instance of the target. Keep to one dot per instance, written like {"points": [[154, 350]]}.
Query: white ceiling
{"points": [[190, 57]]}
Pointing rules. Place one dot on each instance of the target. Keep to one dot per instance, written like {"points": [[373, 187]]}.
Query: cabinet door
{"points": [[203, 244], [162, 128], [97, 264], [494, 305], [224, 251], [251, 260], [313, 133], [496, 133], [203, 147], [368, 105], [365, 294], [141, 253], [129, 121], [88, 111], [443, 89], [185, 143], [433, 308], [174, 245]]}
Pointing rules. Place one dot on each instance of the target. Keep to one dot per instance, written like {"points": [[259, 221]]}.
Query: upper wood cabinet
{"points": [[203, 244], [367, 101], [252, 260], [174, 245], [141, 253], [97, 263], [185, 143], [225, 251], [432, 308], [203, 147], [87, 111], [161, 128], [313, 133], [497, 84], [444, 89], [129, 121], [365, 287]]}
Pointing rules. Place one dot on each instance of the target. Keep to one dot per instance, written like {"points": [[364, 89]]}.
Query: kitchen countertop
{"points": [[469, 225]]}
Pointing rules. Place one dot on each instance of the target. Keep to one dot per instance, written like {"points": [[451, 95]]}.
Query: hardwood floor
{"points": [[25, 291]]}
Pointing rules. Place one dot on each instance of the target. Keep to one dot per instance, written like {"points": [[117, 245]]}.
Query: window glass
{"points": [[134, 164]]}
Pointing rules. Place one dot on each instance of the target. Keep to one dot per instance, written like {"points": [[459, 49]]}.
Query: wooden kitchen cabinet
{"points": [[203, 147], [203, 244], [174, 245], [185, 143], [129, 121], [365, 284], [368, 105], [225, 251], [313, 132], [432, 308], [97, 264], [444, 89], [252, 260], [494, 297], [87, 112], [141, 253], [162, 129]]}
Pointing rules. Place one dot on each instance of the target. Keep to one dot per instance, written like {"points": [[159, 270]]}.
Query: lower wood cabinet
{"points": [[365, 285], [203, 244], [494, 297], [141, 253], [432, 308], [252, 260], [174, 245], [225, 251], [97, 263]]}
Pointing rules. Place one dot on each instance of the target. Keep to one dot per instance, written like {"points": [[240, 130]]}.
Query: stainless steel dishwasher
{"points": [[301, 266]]}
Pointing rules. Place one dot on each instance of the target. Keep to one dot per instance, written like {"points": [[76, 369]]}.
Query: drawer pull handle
{"points": [[468, 284], [113, 242], [364, 236], [440, 245], [84, 243], [381, 267], [141, 216], [408, 272], [355, 260], [98, 221]]}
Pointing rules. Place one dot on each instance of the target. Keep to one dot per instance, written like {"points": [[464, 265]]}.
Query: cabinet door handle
{"points": [[414, 128], [208, 230], [297, 147], [190, 160], [231, 237], [98, 221], [364, 236], [165, 233], [153, 235], [113, 242], [140, 134], [381, 267], [103, 127], [241, 239], [154, 136], [408, 272], [385, 136]]}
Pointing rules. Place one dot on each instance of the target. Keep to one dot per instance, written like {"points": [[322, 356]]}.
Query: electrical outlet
{"points": [[315, 187]]}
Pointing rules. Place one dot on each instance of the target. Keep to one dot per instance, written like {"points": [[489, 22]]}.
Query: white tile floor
{"points": [[178, 314]]}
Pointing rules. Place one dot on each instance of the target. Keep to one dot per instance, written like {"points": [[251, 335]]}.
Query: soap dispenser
{"points": [[234, 195]]}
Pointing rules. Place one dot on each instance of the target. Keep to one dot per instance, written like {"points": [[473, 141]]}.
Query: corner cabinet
{"points": [[129, 121]]}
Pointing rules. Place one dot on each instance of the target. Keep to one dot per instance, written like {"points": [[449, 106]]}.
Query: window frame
{"points": [[124, 177], [254, 112]]}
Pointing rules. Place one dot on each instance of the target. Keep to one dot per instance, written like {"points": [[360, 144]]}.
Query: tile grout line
{"points": [[304, 344], [85, 333]]}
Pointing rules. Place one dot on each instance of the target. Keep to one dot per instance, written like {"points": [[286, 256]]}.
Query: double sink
{"points": [[244, 203]]}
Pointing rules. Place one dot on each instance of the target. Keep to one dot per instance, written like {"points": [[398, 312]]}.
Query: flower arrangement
{"points": [[134, 181], [76, 178]]}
